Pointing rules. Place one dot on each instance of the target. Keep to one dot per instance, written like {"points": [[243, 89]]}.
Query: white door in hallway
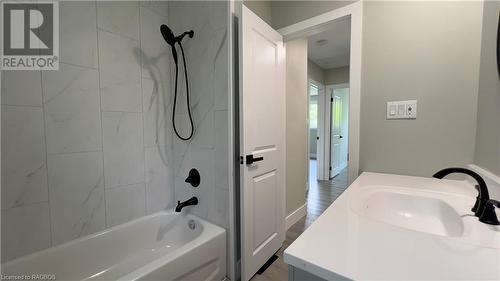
{"points": [[338, 130], [262, 131]]}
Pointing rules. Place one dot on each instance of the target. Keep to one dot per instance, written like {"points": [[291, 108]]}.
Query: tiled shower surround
{"points": [[91, 146]]}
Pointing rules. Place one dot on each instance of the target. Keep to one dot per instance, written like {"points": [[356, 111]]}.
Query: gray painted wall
{"points": [[313, 143], [261, 8], [488, 115], [315, 72], [427, 51], [337, 75], [296, 125]]}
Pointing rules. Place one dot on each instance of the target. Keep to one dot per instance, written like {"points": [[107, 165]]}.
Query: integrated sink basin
{"points": [[411, 211], [393, 227]]}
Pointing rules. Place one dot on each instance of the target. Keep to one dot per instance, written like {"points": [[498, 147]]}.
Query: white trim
{"points": [[318, 23], [321, 171], [295, 216], [232, 268], [322, 23]]}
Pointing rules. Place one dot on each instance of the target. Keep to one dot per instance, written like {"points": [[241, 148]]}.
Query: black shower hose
{"points": [[187, 98]]}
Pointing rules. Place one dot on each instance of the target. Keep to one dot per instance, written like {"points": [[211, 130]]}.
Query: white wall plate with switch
{"points": [[402, 109]]}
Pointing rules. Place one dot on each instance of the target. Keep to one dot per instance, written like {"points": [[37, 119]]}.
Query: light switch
{"points": [[402, 109], [392, 109]]}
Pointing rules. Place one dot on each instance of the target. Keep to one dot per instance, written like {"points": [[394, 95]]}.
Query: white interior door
{"points": [[336, 134], [262, 123], [344, 128]]}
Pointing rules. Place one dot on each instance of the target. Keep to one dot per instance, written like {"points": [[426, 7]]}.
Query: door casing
{"points": [[322, 23]]}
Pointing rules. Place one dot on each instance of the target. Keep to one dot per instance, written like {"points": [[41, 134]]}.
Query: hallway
{"points": [[321, 194]]}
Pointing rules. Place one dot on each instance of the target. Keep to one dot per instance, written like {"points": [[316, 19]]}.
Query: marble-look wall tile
{"points": [[123, 148], [125, 203], [157, 6], [182, 165], [25, 230], [205, 131], [78, 33], [76, 195], [208, 65], [72, 109], [221, 216], [24, 171], [121, 17], [221, 160], [155, 52], [159, 179], [21, 87], [157, 111], [120, 73], [221, 70]]}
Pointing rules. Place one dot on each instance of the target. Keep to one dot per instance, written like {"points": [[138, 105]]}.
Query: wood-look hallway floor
{"points": [[321, 195]]}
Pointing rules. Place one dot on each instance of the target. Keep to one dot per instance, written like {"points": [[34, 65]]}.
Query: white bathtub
{"points": [[161, 246]]}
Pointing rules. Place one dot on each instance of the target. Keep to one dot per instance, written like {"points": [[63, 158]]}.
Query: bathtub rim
{"points": [[207, 227], [210, 231]]}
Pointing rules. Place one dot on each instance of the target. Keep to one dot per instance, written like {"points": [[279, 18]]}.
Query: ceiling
{"points": [[330, 49]]}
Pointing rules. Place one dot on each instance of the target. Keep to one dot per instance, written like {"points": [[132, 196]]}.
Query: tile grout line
{"points": [[46, 161], [122, 111], [101, 117], [78, 65], [23, 105], [73, 152], [117, 34], [146, 189]]}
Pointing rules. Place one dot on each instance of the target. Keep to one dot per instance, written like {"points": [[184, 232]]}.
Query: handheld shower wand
{"points": [[171, 39]]}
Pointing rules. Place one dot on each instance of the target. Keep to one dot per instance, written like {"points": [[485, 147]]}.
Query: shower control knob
{"points": [[193, 178]]}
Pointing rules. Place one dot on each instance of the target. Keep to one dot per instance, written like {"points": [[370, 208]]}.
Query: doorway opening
{"points": [[328, 102], [258, 246]]}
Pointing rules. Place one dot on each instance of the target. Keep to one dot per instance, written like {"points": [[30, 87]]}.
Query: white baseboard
{"points": [[295, 216]]}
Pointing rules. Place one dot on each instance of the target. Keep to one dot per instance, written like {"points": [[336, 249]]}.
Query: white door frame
{"points": [[322, 23], [321, 124]]}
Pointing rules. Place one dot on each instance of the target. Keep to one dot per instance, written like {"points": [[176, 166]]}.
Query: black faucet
{"points": [[484, 208], [483, 195], [489, 216], [191, 201]]}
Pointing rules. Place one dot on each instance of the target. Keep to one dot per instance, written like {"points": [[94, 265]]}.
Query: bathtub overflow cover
{"points": [[191, 224]]}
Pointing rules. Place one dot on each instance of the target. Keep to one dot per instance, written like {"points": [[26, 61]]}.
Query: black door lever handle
{"points": [[250, 159]]}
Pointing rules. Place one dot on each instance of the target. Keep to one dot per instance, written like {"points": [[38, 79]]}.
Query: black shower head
{"points": [[169, 37]]}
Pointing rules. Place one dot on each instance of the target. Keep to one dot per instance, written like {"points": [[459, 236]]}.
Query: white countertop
{"points": [[344, 242]]}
